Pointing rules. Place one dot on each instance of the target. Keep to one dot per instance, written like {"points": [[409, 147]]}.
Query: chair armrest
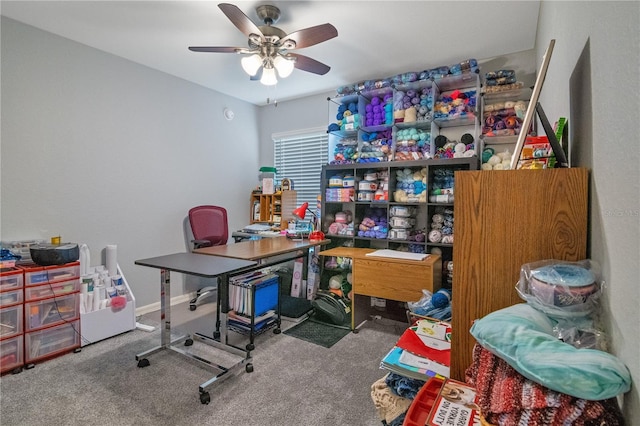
{"points": [[201, 243]]}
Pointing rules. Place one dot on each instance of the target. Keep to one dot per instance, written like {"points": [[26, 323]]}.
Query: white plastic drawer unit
{"points": [[10, 321], [51, 341], [32, 293], [52, 311], [38, 275], [11, 354], [11, 280]]}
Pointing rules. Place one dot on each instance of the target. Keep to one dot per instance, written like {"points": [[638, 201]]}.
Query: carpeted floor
{"points": [[294, 383]]}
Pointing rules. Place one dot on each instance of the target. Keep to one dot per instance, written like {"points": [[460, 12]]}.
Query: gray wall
{"points": [[593, 70], [101, 150]]}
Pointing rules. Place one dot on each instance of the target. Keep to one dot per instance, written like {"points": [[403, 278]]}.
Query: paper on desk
{"points": [[257, 227], [398, 254]]}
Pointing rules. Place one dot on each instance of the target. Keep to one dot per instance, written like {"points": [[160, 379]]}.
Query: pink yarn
{"points": [[118, 302]]}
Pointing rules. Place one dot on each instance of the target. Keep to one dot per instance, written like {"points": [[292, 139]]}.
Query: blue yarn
{"points": [[441, 298]]}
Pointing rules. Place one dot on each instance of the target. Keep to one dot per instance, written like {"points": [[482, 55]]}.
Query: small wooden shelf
{"points": [[274, 209]]}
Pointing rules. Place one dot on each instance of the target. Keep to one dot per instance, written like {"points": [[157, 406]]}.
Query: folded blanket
{"points": [[389, 406], [507, 398]]}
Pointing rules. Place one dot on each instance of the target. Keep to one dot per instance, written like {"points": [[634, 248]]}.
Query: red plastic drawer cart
{"points": [[11, 320], [51, 311]]}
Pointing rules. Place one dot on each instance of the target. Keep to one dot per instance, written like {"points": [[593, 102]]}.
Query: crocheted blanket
{"points": [[507, 398]]}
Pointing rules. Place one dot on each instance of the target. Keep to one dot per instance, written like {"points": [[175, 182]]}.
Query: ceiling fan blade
{"points": [[305, 63], [215, 49], [311, 36], [240, 20]]}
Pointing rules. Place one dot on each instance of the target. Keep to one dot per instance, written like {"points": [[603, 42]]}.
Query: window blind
{"points": [[300, 157]]}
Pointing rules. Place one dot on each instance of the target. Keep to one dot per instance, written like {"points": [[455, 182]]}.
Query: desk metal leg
{"points": [[165, 317], [167, 343]]}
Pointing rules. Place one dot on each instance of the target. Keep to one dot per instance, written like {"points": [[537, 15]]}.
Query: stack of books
{"points": [[422, 351], [243, 323]]}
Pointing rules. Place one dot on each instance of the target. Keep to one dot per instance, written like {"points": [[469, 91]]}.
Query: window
{"points": [[299, 156]]}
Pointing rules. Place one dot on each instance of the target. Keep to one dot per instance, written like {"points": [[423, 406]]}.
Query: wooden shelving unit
{"points": [[274, 209]]}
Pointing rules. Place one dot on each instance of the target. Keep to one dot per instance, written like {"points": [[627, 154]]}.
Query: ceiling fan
{"points": [[269, 46]]}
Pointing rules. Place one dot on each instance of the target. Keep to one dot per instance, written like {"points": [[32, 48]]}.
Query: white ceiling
{"points": [[376, 39]]}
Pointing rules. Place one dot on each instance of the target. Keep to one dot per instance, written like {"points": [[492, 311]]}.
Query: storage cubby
{"points": [[422, 110], [502, 114], [274, 209], [408, 185]]}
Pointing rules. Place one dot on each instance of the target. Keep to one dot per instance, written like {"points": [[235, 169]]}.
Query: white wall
{"points": [[305, 113], [593, 80], [101, 150]]}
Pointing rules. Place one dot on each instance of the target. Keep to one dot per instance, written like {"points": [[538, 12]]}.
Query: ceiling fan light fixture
{"points": [[251, 64], [269, 76], [283, 65]]}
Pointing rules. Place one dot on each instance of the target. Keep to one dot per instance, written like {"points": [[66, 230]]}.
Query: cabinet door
{"points": [[505, 219]]}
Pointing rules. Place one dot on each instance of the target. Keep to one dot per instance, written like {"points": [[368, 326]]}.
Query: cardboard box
{"points": [[296, 281], [268, 186]]}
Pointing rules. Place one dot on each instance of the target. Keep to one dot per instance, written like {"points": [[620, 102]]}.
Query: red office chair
{"points": [[210, 228]]}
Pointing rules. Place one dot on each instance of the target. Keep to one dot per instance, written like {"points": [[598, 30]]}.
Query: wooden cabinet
{"points": [[388, 278], [505, 219], [275, 209]]}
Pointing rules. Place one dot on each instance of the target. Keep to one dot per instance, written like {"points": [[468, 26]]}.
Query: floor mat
{"points": [[317, 333]]}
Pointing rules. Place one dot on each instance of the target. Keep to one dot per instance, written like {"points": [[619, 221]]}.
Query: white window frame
{"points": [[299, 156]]}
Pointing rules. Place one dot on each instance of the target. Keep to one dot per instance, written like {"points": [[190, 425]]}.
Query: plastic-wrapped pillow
{"points": [[523, 337]]}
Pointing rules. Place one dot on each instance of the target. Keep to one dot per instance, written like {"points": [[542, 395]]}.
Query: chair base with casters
{"points": [[202, 295]]}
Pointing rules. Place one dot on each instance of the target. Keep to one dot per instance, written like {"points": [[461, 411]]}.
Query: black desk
{"points": [[203, 266]]}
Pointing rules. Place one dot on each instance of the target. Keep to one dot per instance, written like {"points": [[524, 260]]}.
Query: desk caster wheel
{"points": [[249, 368], [216, 335], [192, 307], [356, 331], [277, 331], [143, 363], [205, 398], [250, 346], [188, 342]]}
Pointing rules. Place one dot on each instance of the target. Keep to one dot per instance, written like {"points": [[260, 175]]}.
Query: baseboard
{"points": [[142, 310]]}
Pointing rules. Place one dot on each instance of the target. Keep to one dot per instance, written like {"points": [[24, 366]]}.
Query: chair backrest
{"points": [[209, 223]]}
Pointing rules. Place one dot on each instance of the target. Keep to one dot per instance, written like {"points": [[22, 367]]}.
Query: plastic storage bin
{"points": [[10, 321], [51, 341], [11, 297], [38, 275], [52, 311], [49, 290], [11, 353], [12, 279]]}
